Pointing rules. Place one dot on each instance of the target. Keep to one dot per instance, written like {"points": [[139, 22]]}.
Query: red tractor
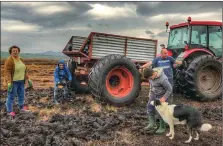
{"points": [[199, 45]]}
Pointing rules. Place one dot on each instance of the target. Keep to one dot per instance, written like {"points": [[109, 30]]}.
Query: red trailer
{"points": [[105, 65]]}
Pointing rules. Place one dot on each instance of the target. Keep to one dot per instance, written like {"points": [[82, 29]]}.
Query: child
{"points": [[161, 89], [61, 74]]}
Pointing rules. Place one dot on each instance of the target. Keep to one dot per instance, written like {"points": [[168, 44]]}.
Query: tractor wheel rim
{"points": [[209, 79], [119, 82]]}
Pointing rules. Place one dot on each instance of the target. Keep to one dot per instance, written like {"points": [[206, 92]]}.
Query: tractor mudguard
{"points": [[184, 55], [189, 52]]}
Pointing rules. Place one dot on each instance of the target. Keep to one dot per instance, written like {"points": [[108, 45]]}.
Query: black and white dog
{"points": [[181, 114]]}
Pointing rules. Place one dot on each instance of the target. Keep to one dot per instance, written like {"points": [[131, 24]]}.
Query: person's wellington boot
{"points": [[152, 124], [162, 127]]}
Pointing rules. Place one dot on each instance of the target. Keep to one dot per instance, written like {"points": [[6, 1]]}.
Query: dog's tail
{"points": [[206, 127]]}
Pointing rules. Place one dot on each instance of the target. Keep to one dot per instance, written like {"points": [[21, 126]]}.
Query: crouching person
{"points": [[161, 89], [62, 76]]}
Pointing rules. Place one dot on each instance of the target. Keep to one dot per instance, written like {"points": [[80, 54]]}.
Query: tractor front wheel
{"points": [[115, 79]]}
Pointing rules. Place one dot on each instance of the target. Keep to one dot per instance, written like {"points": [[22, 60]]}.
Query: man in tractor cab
{"points": [[161, 89], [167, 63], [62, 76]]}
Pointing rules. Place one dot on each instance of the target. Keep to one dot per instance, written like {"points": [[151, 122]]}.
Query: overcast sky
{"points": [[47, 26]]}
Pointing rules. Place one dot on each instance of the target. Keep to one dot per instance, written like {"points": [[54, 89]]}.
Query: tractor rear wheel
{"points": [[115, 79], [204, 78]]}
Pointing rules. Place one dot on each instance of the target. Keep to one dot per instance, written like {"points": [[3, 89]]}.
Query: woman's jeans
{"points": [[18, 88]]}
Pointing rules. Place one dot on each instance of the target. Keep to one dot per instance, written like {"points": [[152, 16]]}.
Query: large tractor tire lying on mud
{"points": [[204, 78], [115, 79], [75, 84]]}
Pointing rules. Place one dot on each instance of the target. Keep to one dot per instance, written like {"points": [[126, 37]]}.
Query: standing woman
{"points": [[15, 75]]}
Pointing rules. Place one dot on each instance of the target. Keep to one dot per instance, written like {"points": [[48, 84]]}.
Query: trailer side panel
{"points": [[141, 50], [105, 45], [77, 42]]}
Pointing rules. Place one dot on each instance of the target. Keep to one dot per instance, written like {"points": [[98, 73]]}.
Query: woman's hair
{"points": [[148, 72], [14, 46]]}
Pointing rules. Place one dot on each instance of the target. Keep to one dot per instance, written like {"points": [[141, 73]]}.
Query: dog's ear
{"points": [[157, 102]]}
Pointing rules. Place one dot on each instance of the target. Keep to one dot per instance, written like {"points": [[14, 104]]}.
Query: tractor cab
{"points": [[204, 36]]}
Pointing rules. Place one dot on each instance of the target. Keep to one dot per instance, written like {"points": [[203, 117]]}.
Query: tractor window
{"points": [[177, 38], [199, 36], [215, 39]]}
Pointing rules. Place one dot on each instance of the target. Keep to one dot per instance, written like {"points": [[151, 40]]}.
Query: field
{"points": [[40, 70], [84, 121]]}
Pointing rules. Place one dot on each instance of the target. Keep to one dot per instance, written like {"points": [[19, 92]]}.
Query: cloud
{"points": [[157, 8], [89, 25], [148, 32], [45, 26], [18, 26], [47, 14], [183, 17], [115, 3], [24, 4], [100, 11], [49, 10], [74, 28], [162, 34]]}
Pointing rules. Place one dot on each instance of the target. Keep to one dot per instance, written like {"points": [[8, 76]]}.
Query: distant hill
{"points": [[51, 53], [47, 54]]}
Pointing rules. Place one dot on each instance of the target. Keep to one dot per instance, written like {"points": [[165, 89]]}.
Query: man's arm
{"points": [[178, 62], [146, 65], [174, 62], [150, 63]]}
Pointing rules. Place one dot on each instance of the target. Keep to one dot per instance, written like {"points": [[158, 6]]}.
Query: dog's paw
{"points": [[188, 141], [171, 137], [168, 134], [197, 138]]}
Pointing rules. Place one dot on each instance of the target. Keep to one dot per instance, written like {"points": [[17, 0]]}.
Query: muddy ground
{"points": [[85, 121]]}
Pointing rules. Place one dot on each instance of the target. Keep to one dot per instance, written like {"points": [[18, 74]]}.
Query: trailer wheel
{"points": [[75, 84], [115, 79], [204, 79]]}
